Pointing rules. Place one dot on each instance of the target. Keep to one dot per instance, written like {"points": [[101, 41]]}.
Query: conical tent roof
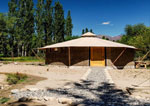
{"points": [[88, 40]]}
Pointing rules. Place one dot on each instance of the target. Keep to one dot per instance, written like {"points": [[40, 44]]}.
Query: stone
{"points": [[24, 99], [14, 91], [32, 89], [67, 87], [1, 87], [64, 101], [15, 63]]}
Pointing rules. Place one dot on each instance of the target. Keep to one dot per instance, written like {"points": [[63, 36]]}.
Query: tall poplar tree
{"points": [[25, 26], [3, 36], [86, 30], [20, 27], [39, 23], [83, 31], [11, 26], [48, 27], [29, 26], [69, 25], [59, 23]]}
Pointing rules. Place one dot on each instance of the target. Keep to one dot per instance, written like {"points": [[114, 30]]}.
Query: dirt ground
{"points": [[56, 76], [138, 80], [42, 77]]}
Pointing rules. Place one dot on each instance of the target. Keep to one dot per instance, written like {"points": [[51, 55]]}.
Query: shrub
{"points": [[16, 78], [4, 100]]}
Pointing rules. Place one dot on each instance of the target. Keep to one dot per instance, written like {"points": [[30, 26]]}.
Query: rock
{"points": [[67, 87], [32, 89], [64, 101], [1, 87], [24, 99], [14, 91], [15, 63], [35, 98], [46, 98]]}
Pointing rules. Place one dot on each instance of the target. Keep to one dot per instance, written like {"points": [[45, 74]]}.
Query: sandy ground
{"points": [[56, 76], [139, 79]]}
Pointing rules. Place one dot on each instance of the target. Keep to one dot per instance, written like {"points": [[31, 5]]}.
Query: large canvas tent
{"points": [[89, 50]]}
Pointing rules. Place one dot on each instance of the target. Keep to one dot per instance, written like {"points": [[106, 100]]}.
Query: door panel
{"points": [[97, 56]]}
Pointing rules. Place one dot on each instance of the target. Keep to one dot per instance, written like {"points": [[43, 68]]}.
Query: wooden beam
{"points": [[118, 57], [69, 57]]}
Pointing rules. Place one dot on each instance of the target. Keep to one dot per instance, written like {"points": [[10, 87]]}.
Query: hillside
{"points": [[112, 38]]}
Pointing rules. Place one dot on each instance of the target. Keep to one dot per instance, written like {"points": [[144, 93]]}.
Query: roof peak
{"points": [[88, 34]]}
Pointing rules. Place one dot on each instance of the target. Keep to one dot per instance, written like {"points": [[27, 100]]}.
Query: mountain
{"points": [[112, 38]]}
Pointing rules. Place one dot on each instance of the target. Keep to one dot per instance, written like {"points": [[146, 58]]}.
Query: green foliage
{"points": [[103, 37], [48, 20], [86, 30], [21, 59], [24, 28], [91, 30], [138, 36], [4, 100], [69, 24], [71, 37], [39, 23], [16, 78], [4, 48], [59, 23], [83, 31]]}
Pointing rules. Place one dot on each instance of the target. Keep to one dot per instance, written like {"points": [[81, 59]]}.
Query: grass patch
{"points": [[21, 59], [4, 100], [16, 78]]}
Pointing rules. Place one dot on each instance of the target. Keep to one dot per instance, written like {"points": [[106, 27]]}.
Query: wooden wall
{"points": [[59, 57], [125, 60], [78, 56]]}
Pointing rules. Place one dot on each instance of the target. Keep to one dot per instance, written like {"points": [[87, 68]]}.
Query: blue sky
{"points": [[107, 17]]}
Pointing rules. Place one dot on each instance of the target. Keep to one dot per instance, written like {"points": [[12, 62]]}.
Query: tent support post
{"points": [[105, 56], [89, 56], [69, 58]]}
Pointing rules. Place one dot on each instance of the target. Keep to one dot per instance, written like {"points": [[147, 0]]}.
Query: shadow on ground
{"points": [[105, 94]]}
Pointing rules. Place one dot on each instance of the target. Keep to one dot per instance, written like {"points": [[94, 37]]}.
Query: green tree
{"points": [[86, 30], [3, 36], [83, 31], [39, 23], [103, 37], [138, 36], [48, 27], [59, 23], [91, 30], [107, 38], [69, 24], [11, 26], [25, 26]]}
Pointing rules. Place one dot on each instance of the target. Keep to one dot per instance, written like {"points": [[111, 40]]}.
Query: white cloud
{"points": [[106, 23]]}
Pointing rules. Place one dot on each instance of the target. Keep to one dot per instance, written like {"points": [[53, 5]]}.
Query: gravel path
{"points": [[95, 91]]}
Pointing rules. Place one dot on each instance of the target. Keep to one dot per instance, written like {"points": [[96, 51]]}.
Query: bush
{"points": [[16, 78], [4, 100]]}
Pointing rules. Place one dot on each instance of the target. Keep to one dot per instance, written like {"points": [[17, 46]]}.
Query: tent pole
{"points": [[89, 56], [69, 58], [105, 56]]}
